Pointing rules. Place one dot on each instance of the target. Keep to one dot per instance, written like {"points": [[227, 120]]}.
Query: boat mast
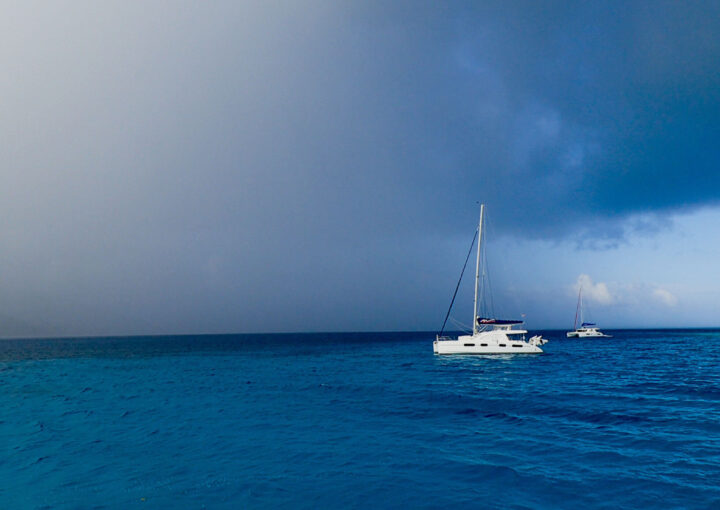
{"points": [[477, 270], [578, 309]]}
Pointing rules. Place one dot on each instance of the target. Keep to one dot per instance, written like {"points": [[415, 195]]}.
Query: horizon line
{"points": [[279, 333]]}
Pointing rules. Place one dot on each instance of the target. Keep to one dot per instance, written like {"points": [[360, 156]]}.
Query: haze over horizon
{"points": [[186, 167]]}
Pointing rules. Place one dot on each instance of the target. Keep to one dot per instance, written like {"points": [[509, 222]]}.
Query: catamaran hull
{"points": [[575, 334], [445, 349], [484, 347]]}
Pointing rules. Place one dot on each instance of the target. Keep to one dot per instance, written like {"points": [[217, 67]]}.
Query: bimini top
{"points": [[501, 322], [585, 324]]}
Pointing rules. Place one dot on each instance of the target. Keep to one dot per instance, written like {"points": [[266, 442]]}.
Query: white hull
{"points": [[587, 334], [488, 342]]}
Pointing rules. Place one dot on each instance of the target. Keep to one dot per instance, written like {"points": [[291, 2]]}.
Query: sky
{"points": [[273, 166]]}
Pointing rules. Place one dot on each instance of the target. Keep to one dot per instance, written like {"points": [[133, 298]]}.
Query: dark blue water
{"points": [[358, 421]]}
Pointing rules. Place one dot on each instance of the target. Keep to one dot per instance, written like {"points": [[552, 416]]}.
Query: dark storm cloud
{"points": [[181, 166], [568, 115]]}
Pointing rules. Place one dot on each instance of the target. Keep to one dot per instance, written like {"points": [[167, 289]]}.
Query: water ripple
{"points": [[358, 420]]}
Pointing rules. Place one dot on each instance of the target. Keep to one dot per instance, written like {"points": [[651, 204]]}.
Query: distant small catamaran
{"points": [[489, 335], [586, 329]]}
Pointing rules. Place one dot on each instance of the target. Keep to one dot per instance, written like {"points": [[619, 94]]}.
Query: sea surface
{"points": [[361, 420]]}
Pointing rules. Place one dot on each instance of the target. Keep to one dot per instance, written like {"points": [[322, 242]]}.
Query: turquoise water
{"points": [[358, 421]]}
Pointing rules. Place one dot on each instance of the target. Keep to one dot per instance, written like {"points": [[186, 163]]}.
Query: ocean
{"points": [[359, 420]]}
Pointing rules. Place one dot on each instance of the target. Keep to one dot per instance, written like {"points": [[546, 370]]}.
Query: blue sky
{"points": [[183, 167]]}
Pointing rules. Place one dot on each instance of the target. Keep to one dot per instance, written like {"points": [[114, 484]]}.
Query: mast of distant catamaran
{"points": [[578, 310], [477, 270]]}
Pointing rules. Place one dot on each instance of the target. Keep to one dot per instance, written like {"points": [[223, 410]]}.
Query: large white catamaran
{"points": [[489, 335]]}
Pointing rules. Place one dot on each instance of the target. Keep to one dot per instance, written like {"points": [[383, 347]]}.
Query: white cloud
{"points": [[665, 297], [596, 292]]}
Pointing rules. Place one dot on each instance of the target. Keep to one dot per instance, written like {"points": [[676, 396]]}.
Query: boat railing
{"points": [[444, 337]]}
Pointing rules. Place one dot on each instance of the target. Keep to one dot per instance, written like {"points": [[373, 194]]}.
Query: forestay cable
{"points": [[458, 283]]}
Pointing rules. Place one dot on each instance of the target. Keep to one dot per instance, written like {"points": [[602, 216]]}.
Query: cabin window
{"points": [[517, 345], [502, 345], [469, 345], [483, 345]]}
